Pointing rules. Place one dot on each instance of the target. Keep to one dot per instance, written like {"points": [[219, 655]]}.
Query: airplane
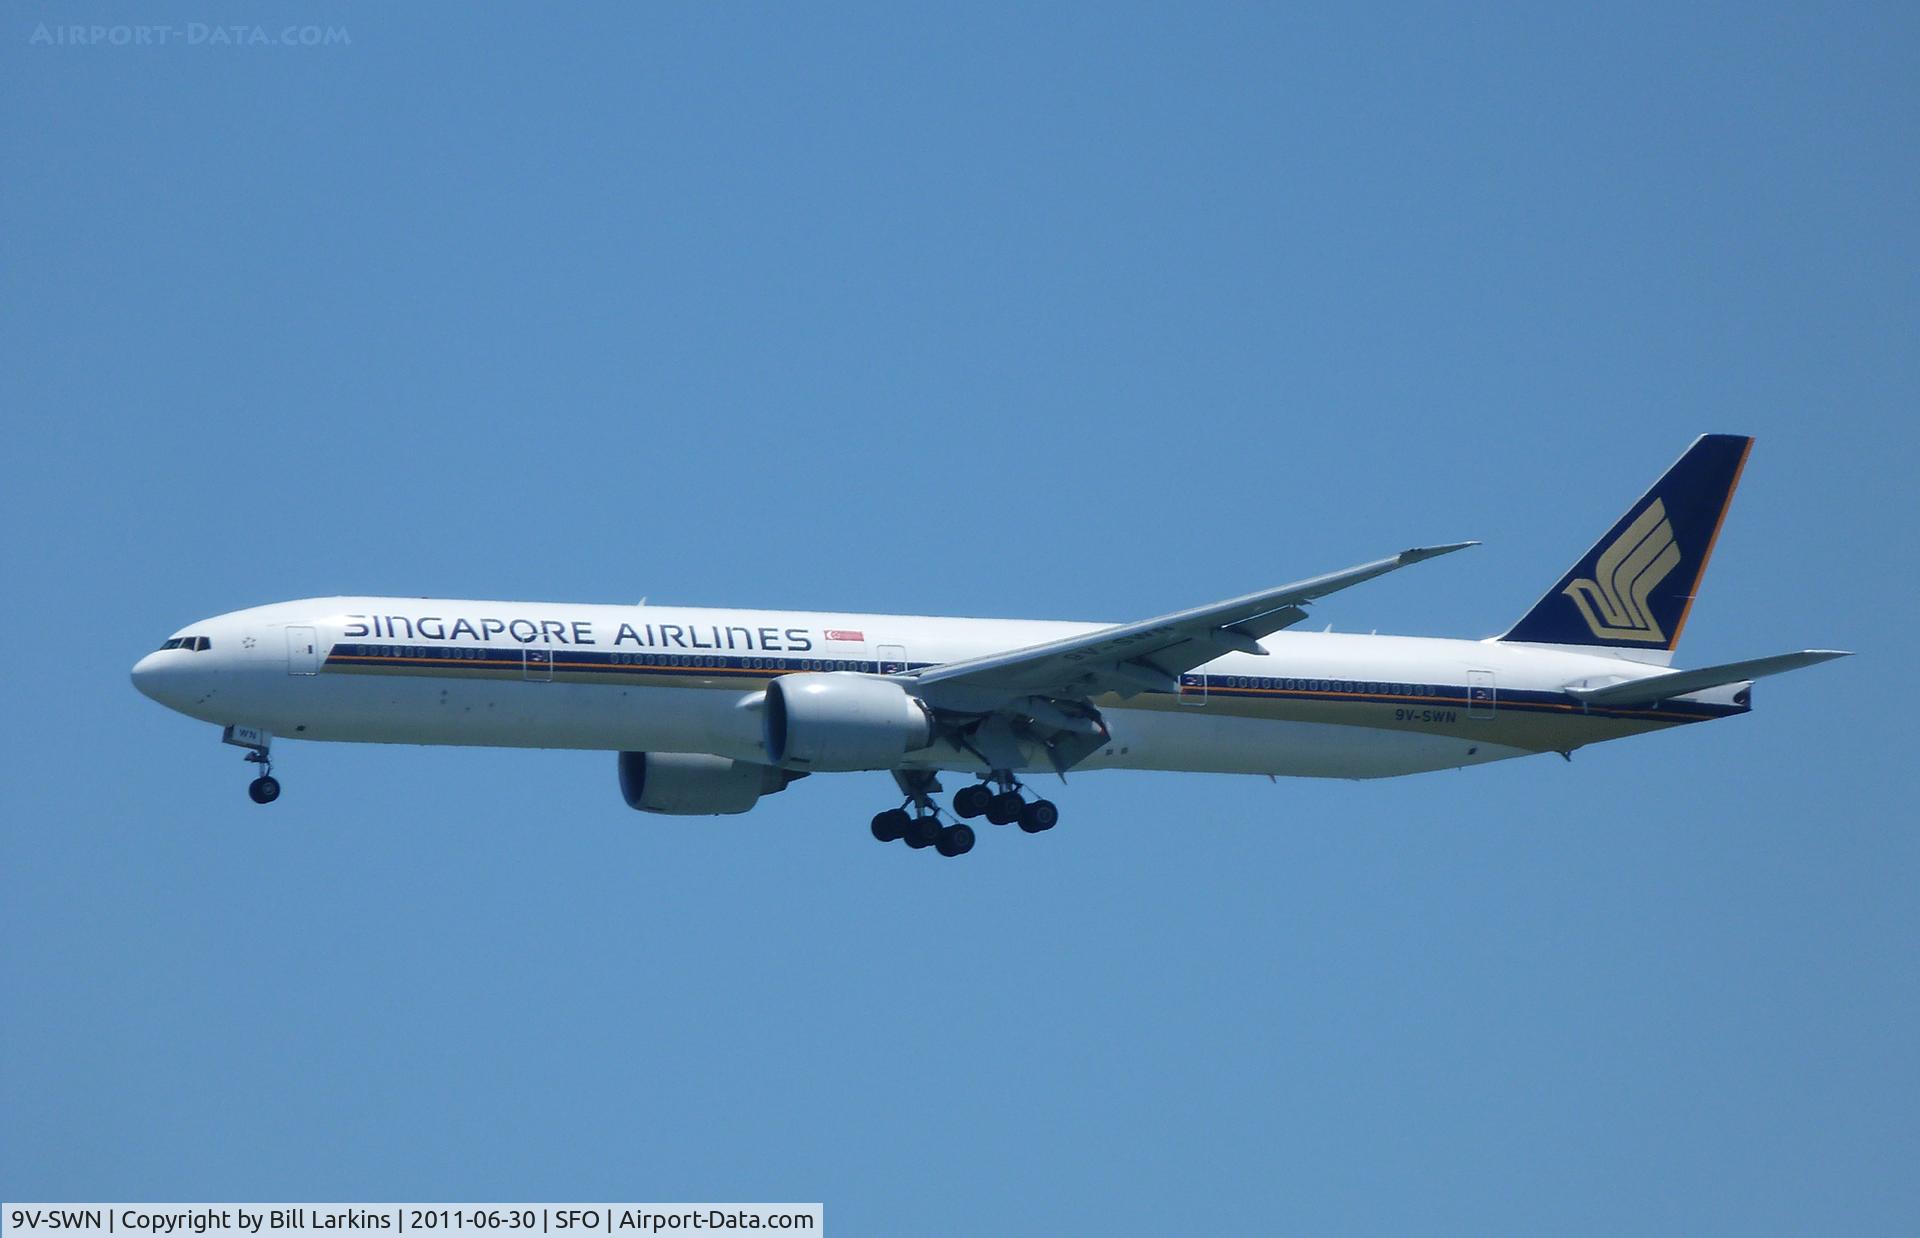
{"points": [[712, 709]]}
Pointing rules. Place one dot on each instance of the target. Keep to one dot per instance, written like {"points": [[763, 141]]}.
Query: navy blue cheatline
{"points": [[511, 662]]}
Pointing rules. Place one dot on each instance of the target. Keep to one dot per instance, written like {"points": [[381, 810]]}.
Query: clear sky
{"points": [[1087, 314]]}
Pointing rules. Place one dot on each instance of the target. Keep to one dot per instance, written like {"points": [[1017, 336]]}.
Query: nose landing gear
{"points": [[264, 790], [259, 745]]}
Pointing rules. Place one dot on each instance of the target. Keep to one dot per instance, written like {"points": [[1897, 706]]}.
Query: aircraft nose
{"points": [[146, 678], [166, 677]]}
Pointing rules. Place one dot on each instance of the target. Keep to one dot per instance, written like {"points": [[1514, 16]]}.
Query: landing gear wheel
{"points": [[922, 831], [265, 789], [971, 801], [1004, 808], [955, 840], [891, 825], [1038, 816]]}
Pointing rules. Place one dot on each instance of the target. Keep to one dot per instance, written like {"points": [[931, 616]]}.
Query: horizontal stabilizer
{"points": [[1665, 687]]}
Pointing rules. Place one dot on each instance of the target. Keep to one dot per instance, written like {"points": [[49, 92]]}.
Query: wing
{"points": [[1148, 656]]}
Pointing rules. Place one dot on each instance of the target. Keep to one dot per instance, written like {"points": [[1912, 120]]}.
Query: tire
{"points": [[891, 825], [922, 831], [1039, 816], [970, 802], [955, 840], [264, 790], [1004, 808]]}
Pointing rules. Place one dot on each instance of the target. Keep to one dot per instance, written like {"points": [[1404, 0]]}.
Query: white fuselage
{"points": [[677, 679]]}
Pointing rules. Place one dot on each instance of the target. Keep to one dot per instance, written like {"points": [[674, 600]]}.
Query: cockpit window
{"points": [[202, 642], [189, 642], [175, 643]]}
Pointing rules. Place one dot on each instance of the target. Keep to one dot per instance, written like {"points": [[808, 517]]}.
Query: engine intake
{"points": [[693, 784], [839, 721]]}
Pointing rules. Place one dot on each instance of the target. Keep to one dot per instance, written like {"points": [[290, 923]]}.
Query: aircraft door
{"points": [[538, 664], [891, 659], [1482, 696], [303, 651], [1193, 688]]}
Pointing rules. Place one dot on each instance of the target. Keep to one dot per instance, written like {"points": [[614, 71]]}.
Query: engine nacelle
{"points": [[692, 784], [843, 722]]}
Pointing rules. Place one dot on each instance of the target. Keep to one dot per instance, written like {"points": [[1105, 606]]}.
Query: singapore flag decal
{"points": [[843, 634]]}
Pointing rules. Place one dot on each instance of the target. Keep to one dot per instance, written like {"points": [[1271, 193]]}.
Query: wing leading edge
{"points": [[1149, 655]]}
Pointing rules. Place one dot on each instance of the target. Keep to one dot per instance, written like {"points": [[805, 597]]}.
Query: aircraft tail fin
{"points": [[1630, 594]]}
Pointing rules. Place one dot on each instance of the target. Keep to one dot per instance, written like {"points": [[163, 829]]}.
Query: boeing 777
{"points": [[711, 709]]}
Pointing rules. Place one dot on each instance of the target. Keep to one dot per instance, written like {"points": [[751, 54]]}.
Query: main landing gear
{"points": [[921, 828], [998, 799], [1005, 806]]}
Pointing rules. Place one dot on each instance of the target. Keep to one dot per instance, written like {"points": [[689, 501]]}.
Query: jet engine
{"points": [[693, 784], [843, 722]]}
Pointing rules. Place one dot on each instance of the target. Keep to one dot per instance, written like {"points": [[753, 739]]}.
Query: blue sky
{"points": [[1086, 313]]}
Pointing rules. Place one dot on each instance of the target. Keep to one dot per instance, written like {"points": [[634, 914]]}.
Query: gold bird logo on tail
{"points": [[1614, 603]]}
